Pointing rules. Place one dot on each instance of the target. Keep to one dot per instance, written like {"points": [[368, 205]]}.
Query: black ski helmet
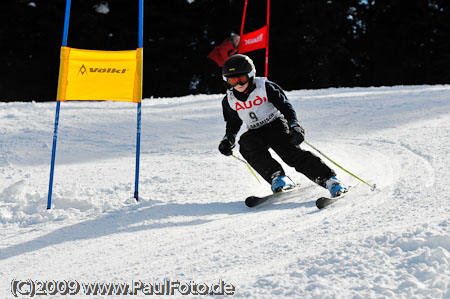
{"points": [[238, 65]]}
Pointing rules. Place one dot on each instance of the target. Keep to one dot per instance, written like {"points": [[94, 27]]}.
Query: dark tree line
{"points": [[313, 43]]}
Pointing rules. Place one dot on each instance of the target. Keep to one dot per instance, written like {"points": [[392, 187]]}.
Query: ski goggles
{"points": [[241, 80]]}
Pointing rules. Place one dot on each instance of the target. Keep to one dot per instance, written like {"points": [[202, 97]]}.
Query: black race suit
{"points": [[255, 143]]}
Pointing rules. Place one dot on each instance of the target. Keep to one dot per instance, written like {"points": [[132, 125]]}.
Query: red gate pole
{"points": [[267, 37], [243, 18]]}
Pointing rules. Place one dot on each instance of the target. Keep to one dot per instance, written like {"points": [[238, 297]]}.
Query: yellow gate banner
{"points": [[90, 75]]}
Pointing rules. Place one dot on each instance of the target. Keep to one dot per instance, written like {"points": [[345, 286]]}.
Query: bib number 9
{"points": [[253, 116]]}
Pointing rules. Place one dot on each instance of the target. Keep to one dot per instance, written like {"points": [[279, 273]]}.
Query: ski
{"points": [[323, 202], [253, 201]]}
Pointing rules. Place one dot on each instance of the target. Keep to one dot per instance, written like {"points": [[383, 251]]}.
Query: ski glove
{"points": [[226, 146], [297, 133]]}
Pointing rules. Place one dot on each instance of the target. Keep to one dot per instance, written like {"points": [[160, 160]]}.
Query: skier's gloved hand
{"points": [[226, 146], [297, 133]]}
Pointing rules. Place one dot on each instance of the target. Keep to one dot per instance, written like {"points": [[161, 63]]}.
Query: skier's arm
{"points": [[232, 119], [277, 97]]}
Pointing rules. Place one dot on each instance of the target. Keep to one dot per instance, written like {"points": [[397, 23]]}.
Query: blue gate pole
{"points": [[58, 104], [138, 149], [138, 133]]}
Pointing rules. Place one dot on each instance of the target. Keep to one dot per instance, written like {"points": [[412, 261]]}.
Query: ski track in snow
{"points": [[191, 223]]}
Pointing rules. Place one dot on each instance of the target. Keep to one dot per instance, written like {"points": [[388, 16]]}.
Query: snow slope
{"points": [[191, 223]]}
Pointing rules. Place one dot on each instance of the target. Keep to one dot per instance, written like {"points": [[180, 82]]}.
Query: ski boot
{"points": [[280, 182], [335, 187]]}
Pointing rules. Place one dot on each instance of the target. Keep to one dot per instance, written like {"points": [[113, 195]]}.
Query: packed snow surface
{"points": [[191, 224]]}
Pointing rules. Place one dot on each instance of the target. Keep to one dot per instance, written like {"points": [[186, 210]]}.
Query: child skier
{"points": [[272, 123]]}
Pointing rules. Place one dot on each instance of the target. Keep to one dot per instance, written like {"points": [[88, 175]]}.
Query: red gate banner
{"points": [[253, 41]]}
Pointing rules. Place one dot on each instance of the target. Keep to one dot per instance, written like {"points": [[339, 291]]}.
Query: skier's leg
{"points": [[312, 167], [303, 161], [256, 152]]}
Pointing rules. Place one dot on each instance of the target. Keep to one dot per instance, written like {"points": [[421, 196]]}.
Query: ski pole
{"points": [[248, 165], [372, 187]]}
